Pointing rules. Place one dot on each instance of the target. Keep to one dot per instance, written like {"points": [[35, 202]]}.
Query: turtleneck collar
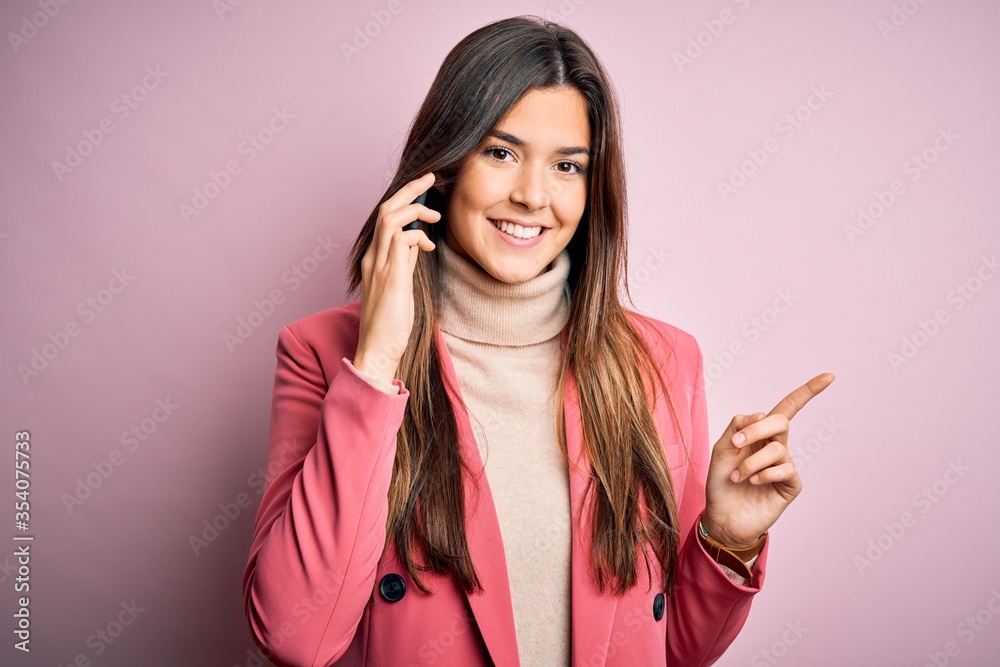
{"points": [[477, 307]]}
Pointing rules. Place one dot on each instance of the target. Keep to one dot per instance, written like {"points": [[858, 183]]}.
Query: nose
{"points": [[531, 188]]}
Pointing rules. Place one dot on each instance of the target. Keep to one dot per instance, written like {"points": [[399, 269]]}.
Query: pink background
{"points": [[863, 569]]}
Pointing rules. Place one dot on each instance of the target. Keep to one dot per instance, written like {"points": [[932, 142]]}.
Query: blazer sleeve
{"points": [[320, 529], [706, 609]]}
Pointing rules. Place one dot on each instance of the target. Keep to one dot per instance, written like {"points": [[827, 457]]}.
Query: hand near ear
{"points": [[387, 307]]}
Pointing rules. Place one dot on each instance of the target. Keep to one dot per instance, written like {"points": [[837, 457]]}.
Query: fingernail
{"points": [[755, 479], [735, 476], [739, 439]]}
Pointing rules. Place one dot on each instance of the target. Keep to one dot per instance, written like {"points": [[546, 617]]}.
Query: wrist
{"points": [[707, 528], [362, 366], [735, 559]]}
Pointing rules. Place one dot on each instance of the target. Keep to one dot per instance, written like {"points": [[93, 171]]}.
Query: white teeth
{"points": [[517, 230]]}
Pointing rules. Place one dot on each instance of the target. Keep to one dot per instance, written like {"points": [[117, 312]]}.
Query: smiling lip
{"points": [[517, 222], [516, 241]]}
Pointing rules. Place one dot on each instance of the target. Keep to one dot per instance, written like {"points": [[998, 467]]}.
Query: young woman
{"points": [[487, 459]]}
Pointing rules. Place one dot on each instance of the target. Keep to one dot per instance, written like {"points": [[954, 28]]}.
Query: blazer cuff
{"points": [[395, 387], [725, 574]]}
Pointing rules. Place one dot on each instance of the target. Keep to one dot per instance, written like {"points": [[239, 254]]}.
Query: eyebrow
{"points": [[568, 150]]}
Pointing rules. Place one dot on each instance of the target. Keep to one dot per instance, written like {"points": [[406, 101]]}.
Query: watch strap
{"points": [[734, 559]]}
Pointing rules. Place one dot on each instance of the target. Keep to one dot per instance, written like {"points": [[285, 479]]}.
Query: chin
{"points": [[517, 275]]}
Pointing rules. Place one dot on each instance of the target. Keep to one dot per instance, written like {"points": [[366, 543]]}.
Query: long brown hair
{"points": [[630, 486]]}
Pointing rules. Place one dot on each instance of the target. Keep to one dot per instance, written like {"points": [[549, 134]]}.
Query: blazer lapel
{"points": [[492, 608], [593, 613]]}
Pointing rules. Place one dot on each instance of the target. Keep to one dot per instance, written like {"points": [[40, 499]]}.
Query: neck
{"points": [[477, 307]]}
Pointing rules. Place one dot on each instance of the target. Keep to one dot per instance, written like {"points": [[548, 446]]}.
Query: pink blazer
{"points": [[319, 589]]}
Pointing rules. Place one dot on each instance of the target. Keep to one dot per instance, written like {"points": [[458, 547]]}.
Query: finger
{"points": [[737, 422], [404, 250], [421, 212], [393, 222], [401, 218], [768, 427], [770, 454], [740, 422], [397, 211], [779, 474], [394, 232], [410, 191], [797, 400]]}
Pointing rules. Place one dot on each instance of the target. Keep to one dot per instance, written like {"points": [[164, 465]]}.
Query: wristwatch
{"points": [[734, 559]]}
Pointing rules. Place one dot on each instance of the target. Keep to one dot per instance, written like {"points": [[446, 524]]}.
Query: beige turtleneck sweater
{"points": [[505, 343]]}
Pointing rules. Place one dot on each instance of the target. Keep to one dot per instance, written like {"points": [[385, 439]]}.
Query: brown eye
{"points": [[570, 166], [493, 152]]}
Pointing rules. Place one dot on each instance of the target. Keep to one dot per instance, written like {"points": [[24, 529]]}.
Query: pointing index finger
{"points": [[797, 400]]}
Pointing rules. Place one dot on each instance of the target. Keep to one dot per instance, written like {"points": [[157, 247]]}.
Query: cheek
{"points": [[571, 207], [485, 189], [472, 192]]}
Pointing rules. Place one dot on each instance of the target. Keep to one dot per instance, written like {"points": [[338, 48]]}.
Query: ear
{"points": [[440, 188]]}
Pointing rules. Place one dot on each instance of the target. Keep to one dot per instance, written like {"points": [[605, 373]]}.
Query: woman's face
{"points": [[530, 170]]}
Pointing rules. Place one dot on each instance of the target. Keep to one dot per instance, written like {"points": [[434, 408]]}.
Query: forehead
{"points": [[549, 116]]}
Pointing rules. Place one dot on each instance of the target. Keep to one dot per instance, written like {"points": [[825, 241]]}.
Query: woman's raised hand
{"points": [[387, 280], [751, 477]]}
